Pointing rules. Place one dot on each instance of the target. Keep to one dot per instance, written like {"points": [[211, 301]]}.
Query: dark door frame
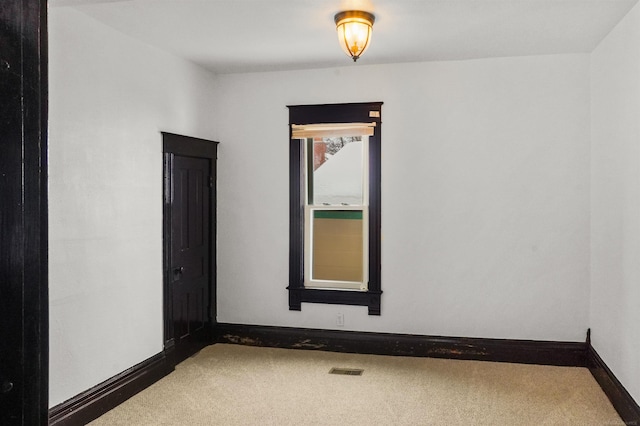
{"points": [[173, 144], [24, 335]]}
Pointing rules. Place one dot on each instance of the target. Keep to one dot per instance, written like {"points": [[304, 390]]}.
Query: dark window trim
{"points": [[333, 113]]}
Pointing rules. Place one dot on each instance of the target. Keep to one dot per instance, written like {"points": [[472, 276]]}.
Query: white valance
{"points": [[303, 131]]}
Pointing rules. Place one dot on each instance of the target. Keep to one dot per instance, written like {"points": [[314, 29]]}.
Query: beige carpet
{"points": [[241, 385]]}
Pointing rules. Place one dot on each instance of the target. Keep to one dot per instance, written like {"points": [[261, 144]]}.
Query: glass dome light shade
{"points": [[354, 31]]}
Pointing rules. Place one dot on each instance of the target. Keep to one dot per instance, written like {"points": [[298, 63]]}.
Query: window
{"points": [[335, 205]]}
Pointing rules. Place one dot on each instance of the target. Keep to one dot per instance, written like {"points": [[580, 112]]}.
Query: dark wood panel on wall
{"points": [[23, 213]]}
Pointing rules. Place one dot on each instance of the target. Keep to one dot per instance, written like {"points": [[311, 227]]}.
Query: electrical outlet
{"points": [[340, 320]]}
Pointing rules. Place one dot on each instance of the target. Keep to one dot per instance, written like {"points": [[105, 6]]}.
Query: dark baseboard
{"points": [[497, 350], [96, 401], [622, 401]]}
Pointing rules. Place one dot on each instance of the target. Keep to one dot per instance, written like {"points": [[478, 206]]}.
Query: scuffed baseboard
{"points": [[622, 401], [96, 401], [497, 350]]}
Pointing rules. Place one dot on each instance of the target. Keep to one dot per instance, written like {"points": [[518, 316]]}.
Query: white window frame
{"points": [[309, 209]]}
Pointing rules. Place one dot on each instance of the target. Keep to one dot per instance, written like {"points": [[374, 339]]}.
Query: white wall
{"points": [[485, 211], [110, 96], [615, 201]]}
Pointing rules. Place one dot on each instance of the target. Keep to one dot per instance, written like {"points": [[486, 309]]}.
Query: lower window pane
{"points": [[337, 245]]}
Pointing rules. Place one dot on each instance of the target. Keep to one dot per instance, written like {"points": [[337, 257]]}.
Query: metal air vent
{"points": [[346, 371]]}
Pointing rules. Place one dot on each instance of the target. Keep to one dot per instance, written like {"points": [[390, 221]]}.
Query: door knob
{"points": [[6, 386], [177, 273]]}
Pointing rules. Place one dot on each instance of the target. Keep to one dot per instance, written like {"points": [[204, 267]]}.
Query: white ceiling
{"points": [[228, 36]]}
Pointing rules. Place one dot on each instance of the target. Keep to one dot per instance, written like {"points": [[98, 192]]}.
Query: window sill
{"points": [[368, 298]]}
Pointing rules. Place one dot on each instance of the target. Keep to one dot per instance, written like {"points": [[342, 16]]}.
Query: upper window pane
{"points": [[335, 174]]}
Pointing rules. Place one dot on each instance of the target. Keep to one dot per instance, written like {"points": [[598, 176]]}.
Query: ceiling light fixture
{"points": [[354, 31]]}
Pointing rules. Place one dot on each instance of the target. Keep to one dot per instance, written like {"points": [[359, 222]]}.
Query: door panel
{"points": [[23, 213], [190, 249]]}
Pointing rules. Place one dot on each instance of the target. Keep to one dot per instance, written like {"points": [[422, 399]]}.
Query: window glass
{"points": [[337, 248], [335, 171], [336, 211]]}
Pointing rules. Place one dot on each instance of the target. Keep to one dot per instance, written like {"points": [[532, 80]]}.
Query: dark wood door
{"points": [[23, 213], [190, 255]]}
